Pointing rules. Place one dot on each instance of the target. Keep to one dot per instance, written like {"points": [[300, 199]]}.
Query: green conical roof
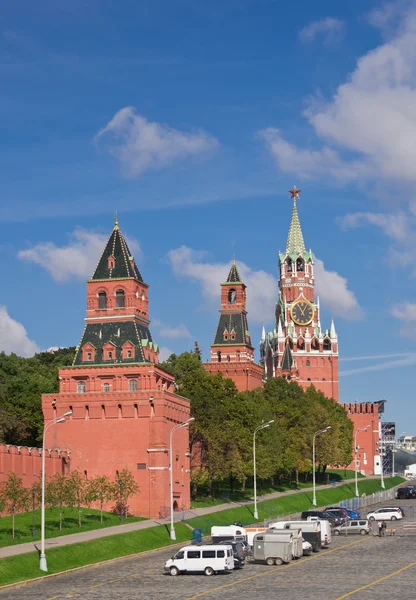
{"points": [[287, 360], [295, 244], [233, 275], [124, 265]]}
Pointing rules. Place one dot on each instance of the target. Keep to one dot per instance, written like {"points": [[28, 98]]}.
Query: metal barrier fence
{"points": [[364, 500]]}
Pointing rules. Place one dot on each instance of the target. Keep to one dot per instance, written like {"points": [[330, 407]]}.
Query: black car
{"points": [[238, 553], [338, 514], [407, 492], [334, 521]]}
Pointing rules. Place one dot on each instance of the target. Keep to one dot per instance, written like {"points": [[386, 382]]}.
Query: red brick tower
{"points": [[298, 348], [124, 404], [232, 353]]}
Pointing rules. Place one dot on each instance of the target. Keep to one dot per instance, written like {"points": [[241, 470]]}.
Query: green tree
{"points": [[102, 490], [14, 497], [57, 494], [124, 487], [78, 492], [183, 366]]}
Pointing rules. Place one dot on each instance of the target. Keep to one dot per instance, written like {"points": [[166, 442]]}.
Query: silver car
{"points": [[361, 526]]}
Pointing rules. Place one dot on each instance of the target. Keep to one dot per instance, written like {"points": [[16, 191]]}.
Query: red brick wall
{"points": [[363, 414], [27, 462]]}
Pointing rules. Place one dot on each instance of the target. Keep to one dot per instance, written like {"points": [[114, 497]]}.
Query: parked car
{"points": [[338, 509], [353, 514], [385, 514], [326, 536], [408, 492], [201, 559], [360, 526], [321, 514], [307, 548], [337, 514], [238, 553]]}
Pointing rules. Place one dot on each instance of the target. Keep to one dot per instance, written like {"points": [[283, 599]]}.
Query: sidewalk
{"points": [[86, 536]]}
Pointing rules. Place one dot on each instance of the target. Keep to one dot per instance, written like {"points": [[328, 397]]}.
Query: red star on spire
{"points": [[294, 193]]}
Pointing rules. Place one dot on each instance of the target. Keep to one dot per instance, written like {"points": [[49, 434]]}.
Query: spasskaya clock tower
{"points": [[298, 349]]}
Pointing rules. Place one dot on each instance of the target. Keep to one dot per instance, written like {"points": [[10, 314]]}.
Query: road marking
{"points": [[95, 586], [293, 564], [364, 587]]}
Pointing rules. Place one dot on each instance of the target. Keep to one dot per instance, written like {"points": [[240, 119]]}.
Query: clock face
{"points": [[302, 312]]}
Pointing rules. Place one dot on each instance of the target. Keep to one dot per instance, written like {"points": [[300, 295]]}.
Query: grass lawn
{"points": [[26, 566], [222, 493], [23, 524], [290, 504]]}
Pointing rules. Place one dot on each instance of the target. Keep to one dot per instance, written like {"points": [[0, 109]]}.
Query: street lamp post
{"points": [[380, 442], [264, 426], [313, 461], [33, 512], [43, 564], [179, 426], [355, 456]]}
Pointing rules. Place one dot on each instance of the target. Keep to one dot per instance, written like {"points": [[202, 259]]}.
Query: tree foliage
{"points": [[14, 497], [22, 381]]}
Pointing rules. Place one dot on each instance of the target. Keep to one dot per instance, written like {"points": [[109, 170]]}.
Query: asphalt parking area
{"points": [[353, 567]]}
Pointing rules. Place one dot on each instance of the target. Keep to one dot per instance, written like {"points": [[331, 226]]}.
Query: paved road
{"points": [[86, 536], [362, 568]]}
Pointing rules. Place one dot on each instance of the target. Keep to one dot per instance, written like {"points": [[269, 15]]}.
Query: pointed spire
{"points": [[333, 333], [116, 262], [279, 329], [295, 243], [234, 275], [263, 334], [287, 360]]}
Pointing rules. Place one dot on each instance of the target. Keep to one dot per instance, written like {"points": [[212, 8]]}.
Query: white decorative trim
{"points": [[158, 468], [165, 450]]}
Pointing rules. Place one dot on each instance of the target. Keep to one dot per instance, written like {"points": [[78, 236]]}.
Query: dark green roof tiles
{"points": [[117, 333], [234, 324], [287, 360], [233, 275], [124, 265]]}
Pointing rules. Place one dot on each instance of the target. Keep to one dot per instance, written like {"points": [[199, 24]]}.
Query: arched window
{"points": [[308, 379], [119, 299], [315, 344], [323, 379], [81, 387], [232, 296], [102, 300], [87, 412], [89, 356], [102, 411], [225, 334], [301, 344], [238, 355], [136, 411], [327, 344], [120, 411], [106, 387], [300, 265], [289, 265], [133, 387], [289, 377], [219, 356], [228, 358], [308, 363], [85, 474]]}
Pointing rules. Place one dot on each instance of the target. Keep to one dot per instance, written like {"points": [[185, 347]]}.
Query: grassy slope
{"points": [[26, 566], [23, 524], [289, 504]]}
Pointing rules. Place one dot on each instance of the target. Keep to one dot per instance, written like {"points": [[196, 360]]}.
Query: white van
{"points": [[326, 536], [228, 532], [201, 559]]}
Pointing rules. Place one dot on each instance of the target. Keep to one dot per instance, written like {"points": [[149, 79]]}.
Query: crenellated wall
{"points": [[27, 462]]}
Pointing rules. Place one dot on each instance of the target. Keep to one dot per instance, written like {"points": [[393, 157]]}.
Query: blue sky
{"points": [[193, 119]]}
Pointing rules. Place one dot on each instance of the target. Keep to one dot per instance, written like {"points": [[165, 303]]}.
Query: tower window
{"points": [[289, 265], [226, 335], [219, 356], [87, 412], [119, 299], [228, 359], [136, 411], [327, 344], [110, 355], [232, 296], [120, 411], [81, 387], [315, 344], [89, 356], [133, 387], [106, 387], [102, 300], [308, 363], [128, 353], [308, 379], [102, 411], [300, 265], [323, 379]]}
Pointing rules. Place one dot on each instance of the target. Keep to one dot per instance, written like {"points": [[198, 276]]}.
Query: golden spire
{"points": [[116, 227]]}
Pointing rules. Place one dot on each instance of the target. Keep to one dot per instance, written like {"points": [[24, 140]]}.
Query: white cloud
{"points": [[164, 353], [262, 290], [13, 336], [330, 28], [180, 331], [261, 286], [406, 313], [370, 123], [333, 291], [141, 145], [391, 364], [400, 227], [77, 259]]}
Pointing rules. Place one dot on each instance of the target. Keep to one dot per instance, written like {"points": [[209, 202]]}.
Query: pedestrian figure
{"points": [[380, 526], [383, 527], [374, 528]]}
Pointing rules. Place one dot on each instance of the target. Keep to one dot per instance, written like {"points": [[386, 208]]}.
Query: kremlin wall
{"points": [[124, 404]]}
